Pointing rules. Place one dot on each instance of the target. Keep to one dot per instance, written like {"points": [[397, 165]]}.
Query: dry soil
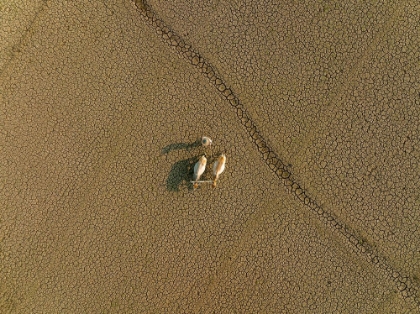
{"points": [[316, 105]]}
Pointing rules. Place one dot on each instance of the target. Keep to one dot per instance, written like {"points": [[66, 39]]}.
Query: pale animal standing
{"points": [[199, 168], [218, 168]]}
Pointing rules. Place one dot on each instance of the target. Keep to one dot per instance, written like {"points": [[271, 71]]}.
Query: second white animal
{"points": [[218, 168]]}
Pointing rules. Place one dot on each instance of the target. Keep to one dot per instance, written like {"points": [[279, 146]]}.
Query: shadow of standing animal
{"points": [[183, 170], [181, 173], [179, 146]]}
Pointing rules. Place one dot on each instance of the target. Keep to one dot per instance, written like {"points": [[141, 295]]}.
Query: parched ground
{"points": [[316, 105]]}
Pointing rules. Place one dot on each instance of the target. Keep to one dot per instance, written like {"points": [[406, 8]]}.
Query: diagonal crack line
{"points": [[15, 49], [406, 286]]}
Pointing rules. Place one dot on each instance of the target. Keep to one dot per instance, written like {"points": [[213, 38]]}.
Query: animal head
{"points": [[203, 160]]}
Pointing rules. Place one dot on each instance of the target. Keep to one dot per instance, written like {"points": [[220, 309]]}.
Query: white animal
{"points": [[218, 168], [206, 141], [199, 168]]}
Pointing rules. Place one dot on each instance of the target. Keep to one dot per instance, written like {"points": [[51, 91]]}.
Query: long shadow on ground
{"points": [[178, 146], [181, 173]]}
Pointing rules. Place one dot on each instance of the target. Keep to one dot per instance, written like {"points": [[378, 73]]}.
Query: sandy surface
{"points": [[316, 106]]}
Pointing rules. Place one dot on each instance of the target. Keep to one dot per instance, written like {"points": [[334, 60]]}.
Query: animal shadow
{"points": [[181, 173], [178, 146]]}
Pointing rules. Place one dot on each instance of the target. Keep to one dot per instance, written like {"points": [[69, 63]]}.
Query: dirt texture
{"points": [[316, 105]]}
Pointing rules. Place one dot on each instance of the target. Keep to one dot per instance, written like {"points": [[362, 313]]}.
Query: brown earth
{"points": [[101, 105]]}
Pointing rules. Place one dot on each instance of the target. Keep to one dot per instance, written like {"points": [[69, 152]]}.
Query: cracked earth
{"points": [[316, 106]]}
